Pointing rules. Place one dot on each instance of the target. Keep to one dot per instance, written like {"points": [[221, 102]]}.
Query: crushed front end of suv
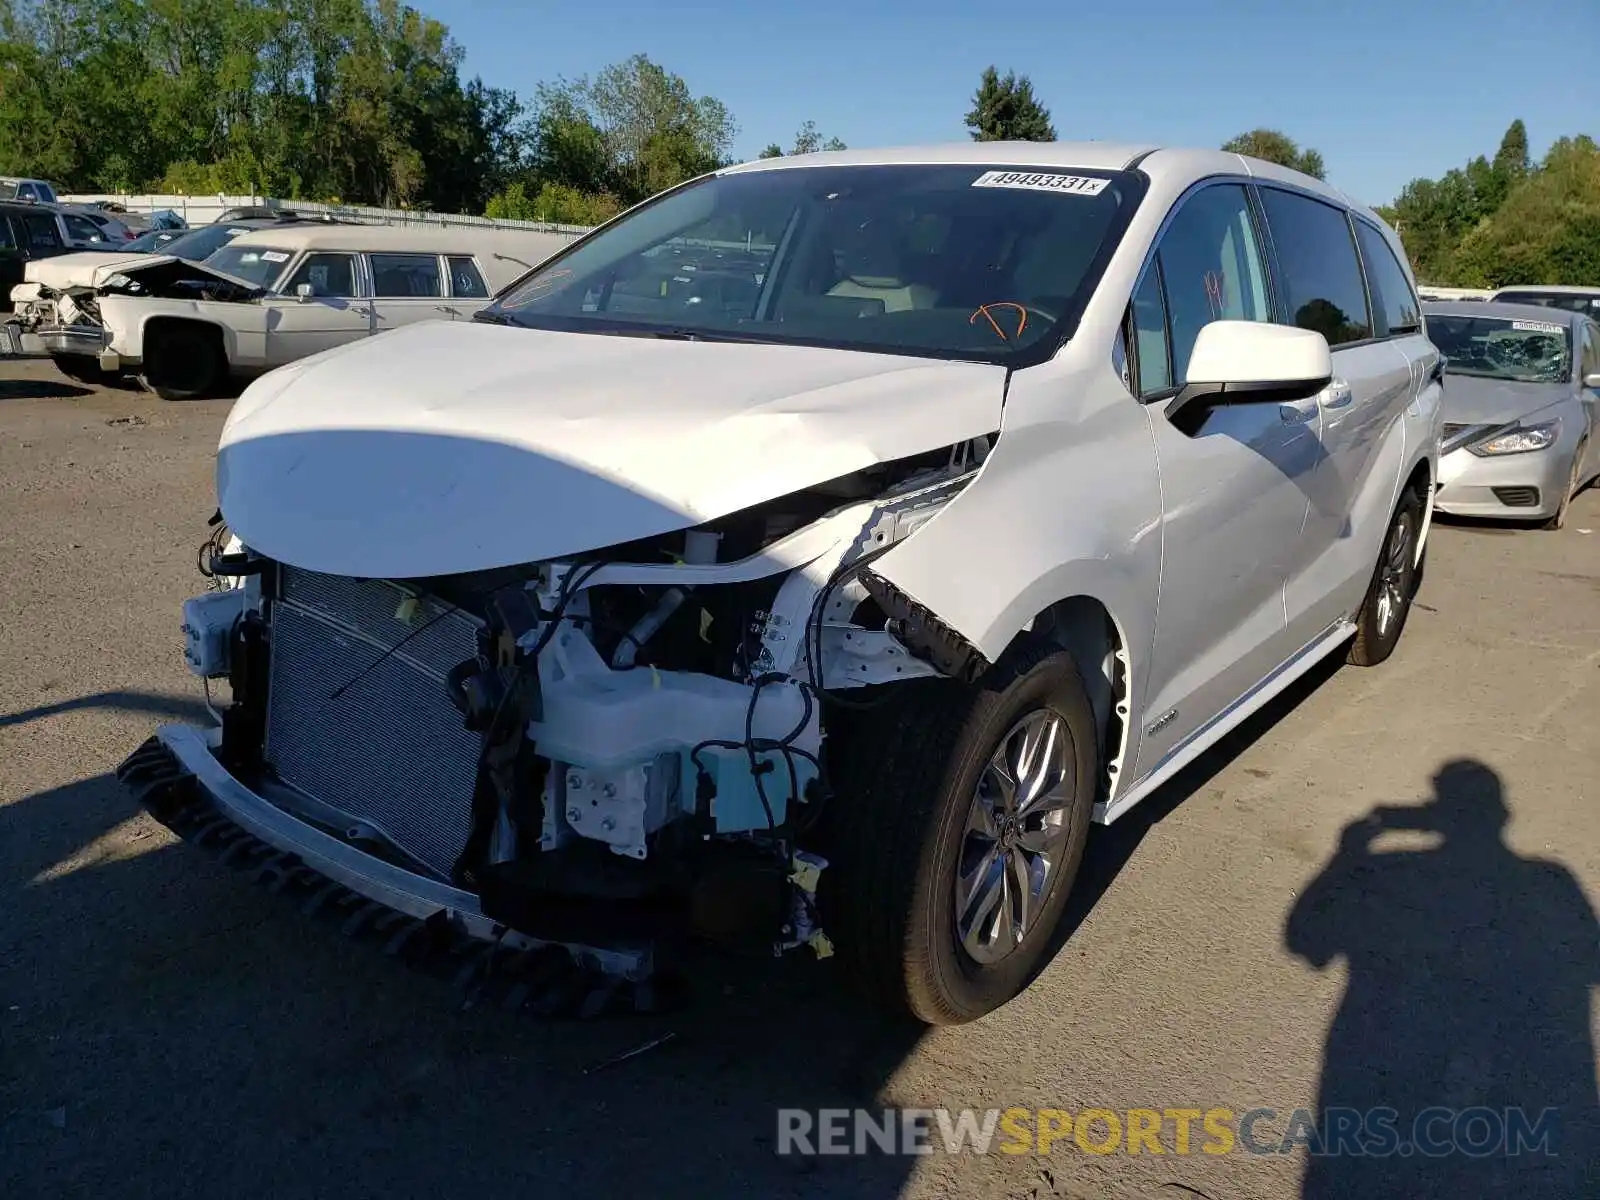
{"points": [[779, 565]]}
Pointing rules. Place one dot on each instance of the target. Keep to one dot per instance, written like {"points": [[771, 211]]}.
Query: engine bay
{"points": [[636, 743]]}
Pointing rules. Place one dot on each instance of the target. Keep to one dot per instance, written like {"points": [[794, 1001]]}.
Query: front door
{"points": [[406, 288], [1234, 490], [335, 311]]}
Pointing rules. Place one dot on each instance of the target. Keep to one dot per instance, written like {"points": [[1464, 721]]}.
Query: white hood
{"points": [[449, 447], [88, 269]]}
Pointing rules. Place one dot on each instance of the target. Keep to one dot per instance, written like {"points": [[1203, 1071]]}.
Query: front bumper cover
{"points": [[1467, 482], [176, 777]]}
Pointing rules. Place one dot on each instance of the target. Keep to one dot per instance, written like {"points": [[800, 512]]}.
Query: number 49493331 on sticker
{"points": [[1074, 185]]}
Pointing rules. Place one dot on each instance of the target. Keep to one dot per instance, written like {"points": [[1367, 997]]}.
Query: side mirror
{"points": [[305, 291], [1251, 362], [1592, 380]]}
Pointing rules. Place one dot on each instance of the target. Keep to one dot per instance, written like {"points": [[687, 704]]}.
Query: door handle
{"points": [[360, 311], [1297, 412], [1337, 395]]}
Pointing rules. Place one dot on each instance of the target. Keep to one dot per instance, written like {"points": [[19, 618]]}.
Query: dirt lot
{"points": [[165, 1028]]}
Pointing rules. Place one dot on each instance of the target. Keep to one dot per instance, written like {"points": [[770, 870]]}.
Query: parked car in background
{"points": [[1585, 300], [1022, 473], [1520, 436], [282, 292], [28, 234], [115, 231], [13, 188], [87, 229], [57, 291]]}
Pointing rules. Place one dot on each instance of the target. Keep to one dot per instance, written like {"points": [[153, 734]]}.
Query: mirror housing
{"points": [[304, 291], [1251, 362], [1592, 380]]}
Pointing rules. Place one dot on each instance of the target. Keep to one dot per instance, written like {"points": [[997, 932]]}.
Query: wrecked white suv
{"points": [[806, 558]]}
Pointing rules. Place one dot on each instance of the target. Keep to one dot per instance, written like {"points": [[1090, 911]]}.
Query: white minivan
{"points": [[808, 556]]}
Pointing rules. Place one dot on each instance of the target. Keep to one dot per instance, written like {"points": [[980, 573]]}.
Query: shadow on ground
{"points": [[40, 389], [1467, 1011], [182, 708]]}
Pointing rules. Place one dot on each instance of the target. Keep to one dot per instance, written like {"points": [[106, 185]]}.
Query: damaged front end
{"points": [[63, 312], [601, 755]]}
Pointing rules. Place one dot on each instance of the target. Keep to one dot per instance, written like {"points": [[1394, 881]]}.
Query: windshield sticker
{"points": [[1537, 326], [1072, 185], [274, 256]]}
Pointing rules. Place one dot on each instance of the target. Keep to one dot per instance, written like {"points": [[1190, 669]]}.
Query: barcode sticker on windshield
{"points": [[274, 256], [1072, 185], [1537, 326]]}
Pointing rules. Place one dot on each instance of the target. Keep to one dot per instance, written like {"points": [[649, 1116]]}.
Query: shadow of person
{"points": [[1466, 1011]]}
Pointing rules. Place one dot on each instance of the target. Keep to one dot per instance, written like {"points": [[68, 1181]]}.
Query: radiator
{"points": [[390, 749]]}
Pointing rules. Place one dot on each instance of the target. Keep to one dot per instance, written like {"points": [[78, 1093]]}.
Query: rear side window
{"points": [[1211, 269], [81, 229], [1320, 275], [1394, 304], [42, 231], [405, 275], [466, 280]]}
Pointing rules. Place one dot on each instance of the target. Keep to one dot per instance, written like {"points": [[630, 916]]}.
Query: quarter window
{"points": [[466, 280], [1394, 304], [405, 275], [1150, 335], [1319, 272], [1211, 270], [331, 275]]}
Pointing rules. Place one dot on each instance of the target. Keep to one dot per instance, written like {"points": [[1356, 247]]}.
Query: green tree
{"points": [[1275, 147], [1511, 160], [1548, 229], [806, 141], [1005, 110]]}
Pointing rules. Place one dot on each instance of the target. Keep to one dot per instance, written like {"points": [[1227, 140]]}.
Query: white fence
{"points": [[202, 210]]}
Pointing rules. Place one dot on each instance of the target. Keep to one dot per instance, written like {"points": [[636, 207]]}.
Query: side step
{"points": [[545, 980]]}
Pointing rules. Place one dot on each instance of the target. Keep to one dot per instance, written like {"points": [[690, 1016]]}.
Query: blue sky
{"points": [[1387, 92]]}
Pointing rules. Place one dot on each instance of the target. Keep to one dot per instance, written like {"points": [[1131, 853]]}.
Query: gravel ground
{"points": [[167, 1029]]}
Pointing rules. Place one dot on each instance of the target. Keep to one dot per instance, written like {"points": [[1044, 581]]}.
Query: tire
{"points": [[1560, 517], [79, 368], [1382, 616], [902, 832], [183, 362]]}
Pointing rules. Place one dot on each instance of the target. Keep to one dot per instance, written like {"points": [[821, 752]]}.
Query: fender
{"points": [[1081, 465]]}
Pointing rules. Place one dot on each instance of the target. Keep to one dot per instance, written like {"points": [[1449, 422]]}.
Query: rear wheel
{"points": [[183, 362], [957, 850], [1383, 614]]}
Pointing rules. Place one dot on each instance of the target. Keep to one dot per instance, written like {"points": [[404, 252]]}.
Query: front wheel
{"points": [[959, 848], [184, 362], [1383, 614]]}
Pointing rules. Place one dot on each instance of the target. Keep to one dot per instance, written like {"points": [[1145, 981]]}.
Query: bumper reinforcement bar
{"points": [[491, 964]]}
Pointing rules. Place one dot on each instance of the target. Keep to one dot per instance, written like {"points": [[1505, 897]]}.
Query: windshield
{"points": [[945, 261], [156, 239], [259, 264], [1502, 348], [199, 244]]}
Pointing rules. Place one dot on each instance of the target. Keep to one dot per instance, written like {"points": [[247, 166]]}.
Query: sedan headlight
{"points": [[1521, 440]]}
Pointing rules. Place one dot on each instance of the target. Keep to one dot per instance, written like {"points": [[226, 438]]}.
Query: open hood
{"points": [[449, 447], [88, 269]]}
